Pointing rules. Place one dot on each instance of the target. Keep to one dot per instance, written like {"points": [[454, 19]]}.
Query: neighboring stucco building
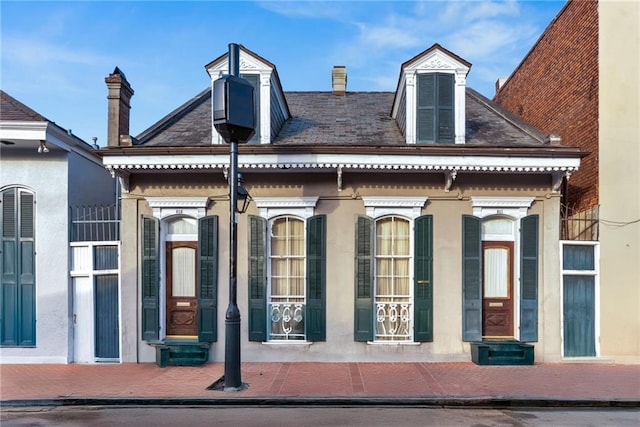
{"points": [[580, 81], [384, 226], [44, 170]]}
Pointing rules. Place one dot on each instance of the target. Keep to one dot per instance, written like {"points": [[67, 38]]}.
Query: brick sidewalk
{"points": [[561, 382]]}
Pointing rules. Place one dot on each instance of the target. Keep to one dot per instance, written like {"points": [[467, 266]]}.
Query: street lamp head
{"points": [[244, 198]]}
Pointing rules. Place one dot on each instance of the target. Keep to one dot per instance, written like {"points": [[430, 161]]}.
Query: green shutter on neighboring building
{"points": [[423, 279], [363, 314], [257, 279], [150, 279], [471, 279], [208, 279], [435, 118], [316, 278], [529, 279], [18, 297]]}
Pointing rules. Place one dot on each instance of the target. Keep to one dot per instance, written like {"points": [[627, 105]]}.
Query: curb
{"points": [[477, 402]]}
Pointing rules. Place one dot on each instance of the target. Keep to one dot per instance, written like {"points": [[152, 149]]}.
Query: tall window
{"points": [[17, 270], [287, 279], [392, 280], [393, 275]]}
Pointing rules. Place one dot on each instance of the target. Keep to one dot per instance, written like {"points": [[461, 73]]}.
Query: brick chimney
{"points": [[119, 101], [339, 79]]}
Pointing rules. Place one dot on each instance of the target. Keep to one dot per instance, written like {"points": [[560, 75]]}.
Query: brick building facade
{"points": [[555, 88]]}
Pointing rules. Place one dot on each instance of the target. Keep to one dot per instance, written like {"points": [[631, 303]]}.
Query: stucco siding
{"points": [[619, 180], [341, 208], [53, 309]]}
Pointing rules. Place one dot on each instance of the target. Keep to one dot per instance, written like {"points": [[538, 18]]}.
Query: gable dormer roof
{"points": [[436, 61], [272, 108]]}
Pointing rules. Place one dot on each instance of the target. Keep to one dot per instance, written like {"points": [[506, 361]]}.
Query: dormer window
{"points": [[271, 107], [435, 116], [429, 105]]}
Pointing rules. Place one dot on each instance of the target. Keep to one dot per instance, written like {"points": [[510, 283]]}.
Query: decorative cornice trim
{"points": [[391, 162], [167, 206], [274, 206], [515, 207], [386, 205]]}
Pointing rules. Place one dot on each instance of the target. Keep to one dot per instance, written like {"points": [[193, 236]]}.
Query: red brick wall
{"points": [[555, 88]]}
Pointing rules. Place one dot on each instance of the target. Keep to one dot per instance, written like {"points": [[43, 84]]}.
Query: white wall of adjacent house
{"points": [[619, 179], [47, 178]]}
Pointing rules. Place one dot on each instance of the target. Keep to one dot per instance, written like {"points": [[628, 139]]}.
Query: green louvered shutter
{"points": [[27, 274], [471, 279], [426, 108], [17, 271], [150, 279], [208, 279], [435, 117], [257, 279], [363, 315], [423, 279], [316, 278], [445, 118], [529, 279]]}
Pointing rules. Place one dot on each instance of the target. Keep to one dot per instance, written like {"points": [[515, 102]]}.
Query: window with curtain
{"points": [[286, 294], [392, 305]]}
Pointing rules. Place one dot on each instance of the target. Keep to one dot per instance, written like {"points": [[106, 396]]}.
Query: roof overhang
{"points": [[558, 162], [317, 162]]}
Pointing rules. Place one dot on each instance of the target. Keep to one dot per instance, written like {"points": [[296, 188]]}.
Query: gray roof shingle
{"points": [[357, 118]]}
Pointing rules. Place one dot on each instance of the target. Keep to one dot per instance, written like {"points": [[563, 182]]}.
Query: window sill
{"points": [[278, 343], [385, 343]]}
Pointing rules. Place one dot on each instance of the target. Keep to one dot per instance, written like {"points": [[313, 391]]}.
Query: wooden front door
{"points": [[497, 289], [182, 303]]}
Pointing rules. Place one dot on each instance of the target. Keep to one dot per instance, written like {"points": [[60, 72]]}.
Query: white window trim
{"points": [[515, 207], [163, 207], [270, 207], [409, 207], [596, 274]]}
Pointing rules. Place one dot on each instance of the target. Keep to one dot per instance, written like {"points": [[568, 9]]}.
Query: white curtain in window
{"points": [[496, 272], [287, 257], [183, 281], [392, 257]]}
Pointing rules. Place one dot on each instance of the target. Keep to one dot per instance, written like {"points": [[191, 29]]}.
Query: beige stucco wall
{"points": [[341, 207], [619, 155]]}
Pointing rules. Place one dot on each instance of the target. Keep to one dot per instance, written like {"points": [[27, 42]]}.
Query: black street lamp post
{"points": [[234, 119]]}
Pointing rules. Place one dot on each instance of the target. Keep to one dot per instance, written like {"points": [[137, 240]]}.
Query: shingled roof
{"points": [[357, 118], [13, 110]]}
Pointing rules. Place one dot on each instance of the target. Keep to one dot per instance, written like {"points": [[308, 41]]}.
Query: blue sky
{"points": [[55, 55]]}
